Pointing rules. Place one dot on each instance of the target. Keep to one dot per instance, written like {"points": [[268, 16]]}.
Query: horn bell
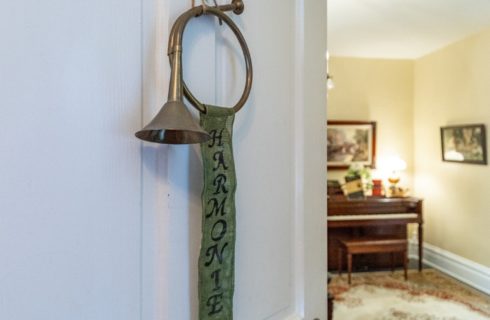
{"points": [[173, 125]]}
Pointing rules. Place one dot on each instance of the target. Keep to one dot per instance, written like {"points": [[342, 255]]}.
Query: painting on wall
{"points": [[464, 143], [351, 142]]}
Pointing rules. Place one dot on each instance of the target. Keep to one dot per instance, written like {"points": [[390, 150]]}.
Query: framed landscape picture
{"points": [[464, 143], [351, 142]]}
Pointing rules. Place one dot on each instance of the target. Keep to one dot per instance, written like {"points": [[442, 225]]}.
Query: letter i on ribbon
{"points": [[217, 257]]}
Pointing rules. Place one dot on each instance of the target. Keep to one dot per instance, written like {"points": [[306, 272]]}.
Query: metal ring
{"points": [[176, 44]]}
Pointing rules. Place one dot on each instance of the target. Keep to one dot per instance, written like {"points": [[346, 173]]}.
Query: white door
{"points": [[279, 146], [96, 225], [70, 168]]}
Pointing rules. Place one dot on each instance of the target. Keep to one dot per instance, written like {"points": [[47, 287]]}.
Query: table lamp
{"points": [[395, 165]]}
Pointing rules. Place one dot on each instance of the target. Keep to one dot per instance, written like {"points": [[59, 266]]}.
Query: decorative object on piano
{"points": [[351, 142], [377, 188], [353, 187], [395, 165], [397, 192], [359, 170], [334, 187], [464, 144]]}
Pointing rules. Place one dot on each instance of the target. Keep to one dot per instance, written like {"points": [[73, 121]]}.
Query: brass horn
{"points": [[174, 123]]}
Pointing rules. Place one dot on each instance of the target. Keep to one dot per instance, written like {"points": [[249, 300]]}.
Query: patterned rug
{"points": [[429, 295]]}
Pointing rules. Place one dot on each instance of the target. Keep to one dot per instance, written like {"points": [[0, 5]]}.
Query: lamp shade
{"points": [[173, 125], [396, 163]]}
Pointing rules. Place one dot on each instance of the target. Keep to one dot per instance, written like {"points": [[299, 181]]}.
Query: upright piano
{"points": [[371, 216]]}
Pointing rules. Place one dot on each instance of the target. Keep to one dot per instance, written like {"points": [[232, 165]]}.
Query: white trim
{"points": [[299, 161], [313, 46], [465, 270]]}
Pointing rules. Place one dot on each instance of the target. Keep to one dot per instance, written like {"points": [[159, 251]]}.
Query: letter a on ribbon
{"points": [[217, 258]]}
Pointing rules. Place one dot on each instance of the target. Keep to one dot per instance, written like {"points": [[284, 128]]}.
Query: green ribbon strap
{"points": [[217, 258]]}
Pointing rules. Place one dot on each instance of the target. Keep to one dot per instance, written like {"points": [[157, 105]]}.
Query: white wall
{"points": [[95, 225], [378, 90]]}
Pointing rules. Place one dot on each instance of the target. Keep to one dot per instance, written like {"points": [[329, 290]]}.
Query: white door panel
{"points": [[280, 203], [70, 92]]}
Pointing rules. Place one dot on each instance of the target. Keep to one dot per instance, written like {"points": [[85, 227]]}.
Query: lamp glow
{"points": [[395, 165]]}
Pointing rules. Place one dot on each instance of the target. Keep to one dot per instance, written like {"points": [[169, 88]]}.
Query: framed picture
{"points": [[464, 143], [351, 142]]}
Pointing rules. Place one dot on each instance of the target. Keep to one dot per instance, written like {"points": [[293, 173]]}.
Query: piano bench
{"points": [[372, 245]]}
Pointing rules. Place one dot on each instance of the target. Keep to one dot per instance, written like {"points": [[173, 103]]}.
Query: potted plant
{"points": [[359, 171]]}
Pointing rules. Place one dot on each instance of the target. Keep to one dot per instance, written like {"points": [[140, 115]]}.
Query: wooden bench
{"points": [[372, 245]]}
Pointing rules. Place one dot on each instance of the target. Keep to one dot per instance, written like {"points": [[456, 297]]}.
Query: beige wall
{"points": [[376, 90], [452, 86], [411, 100]]}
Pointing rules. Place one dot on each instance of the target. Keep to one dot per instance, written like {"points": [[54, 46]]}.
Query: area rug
{"points": [[429, 295]]}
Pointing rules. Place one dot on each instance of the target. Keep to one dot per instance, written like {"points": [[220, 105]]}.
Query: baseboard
{"points": [[467, 271]]}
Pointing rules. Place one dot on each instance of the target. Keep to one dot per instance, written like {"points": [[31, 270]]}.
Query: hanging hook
{"points": [[206, 6], [236, 6], [216, 6]]}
